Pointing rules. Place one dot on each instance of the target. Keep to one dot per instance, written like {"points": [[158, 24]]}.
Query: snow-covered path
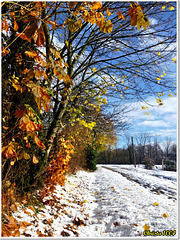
{"points": [[156, 180], [124, 207], [102, 204]]}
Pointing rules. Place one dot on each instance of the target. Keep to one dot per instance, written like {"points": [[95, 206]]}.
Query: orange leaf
{"points": [[38, 141], [16, 26], [19, 113], [25, 71], [25, 224], [40, 38], [54, 24], [165, 215], [120, 15], [29, 126], [35, 160], [9, 151], [4, 231], [31, 54], [12, 224], [23, 36], [16, 233]]}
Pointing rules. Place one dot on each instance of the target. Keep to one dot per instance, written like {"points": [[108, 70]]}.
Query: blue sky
{"points": [[161, 121]]}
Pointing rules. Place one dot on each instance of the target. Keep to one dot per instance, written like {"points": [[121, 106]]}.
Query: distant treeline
{"points": [[151, 152]]}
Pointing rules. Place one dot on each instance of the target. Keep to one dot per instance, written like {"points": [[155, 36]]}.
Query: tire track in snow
{"points": [[170, 194]]}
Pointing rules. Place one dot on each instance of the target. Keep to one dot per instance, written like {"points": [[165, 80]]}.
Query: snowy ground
{"points": [[106, 203]]}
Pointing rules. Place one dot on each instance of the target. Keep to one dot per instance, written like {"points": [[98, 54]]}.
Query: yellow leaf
{"points": [[31, 54], [170, 95], [85, 201], [159, 53], [174, 60], [163, 7], [35, 160], [96, 5], [156, 204], [106, 27], [147, 114], [171, 8], [143, 107], [146, 227], [94, 69], [162, 75], [126, 87], [165, 215], [108, 12]]}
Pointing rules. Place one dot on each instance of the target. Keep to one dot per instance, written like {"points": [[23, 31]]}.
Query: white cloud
{"points": [[162, 120], [156, 123]]}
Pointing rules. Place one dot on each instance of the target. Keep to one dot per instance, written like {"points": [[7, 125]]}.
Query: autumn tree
{"points": [[96, 132]]}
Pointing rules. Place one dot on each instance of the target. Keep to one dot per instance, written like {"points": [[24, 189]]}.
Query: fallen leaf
{"points": [[25, 224], [146, 227], [136, 225], [165, 215], [65, 234], [78, 222], [16, 233], [40, 234], [31, 208], [156, 204], [116, 224]]}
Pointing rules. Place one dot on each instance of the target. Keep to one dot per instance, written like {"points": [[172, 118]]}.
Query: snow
{"points": [[107, 203]]}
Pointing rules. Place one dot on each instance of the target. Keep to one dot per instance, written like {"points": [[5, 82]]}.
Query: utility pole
{"points": [[134, 157]]}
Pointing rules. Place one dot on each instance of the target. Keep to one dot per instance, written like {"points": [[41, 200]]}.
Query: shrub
{"points": [[170, 165], [91, 158], [149, 163]]}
